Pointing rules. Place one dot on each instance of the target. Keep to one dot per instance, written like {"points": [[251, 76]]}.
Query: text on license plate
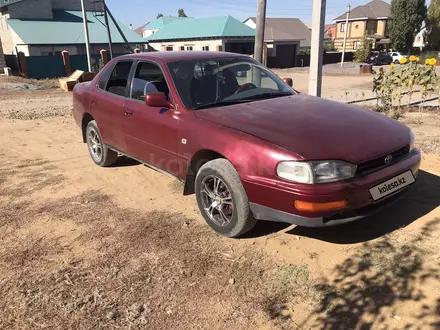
{"points": [[392, 185]]}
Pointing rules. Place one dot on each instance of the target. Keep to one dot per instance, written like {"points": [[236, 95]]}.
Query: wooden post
{"points": [[259, 33], [66, 62], [22, 62], [265, 54], [104, 56]]}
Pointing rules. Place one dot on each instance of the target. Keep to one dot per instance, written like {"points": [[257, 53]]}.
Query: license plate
{"points": [[392, 185]]}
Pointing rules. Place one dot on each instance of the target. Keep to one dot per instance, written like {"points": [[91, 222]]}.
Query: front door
{"points": [[150, 133], [107, 103]]}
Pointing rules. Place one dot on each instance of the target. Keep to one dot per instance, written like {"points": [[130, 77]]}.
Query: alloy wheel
{"points": [[95, 144], [217, 200]]}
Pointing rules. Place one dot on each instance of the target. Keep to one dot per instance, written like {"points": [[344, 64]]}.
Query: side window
{"points": [[105, 77], [117, 82], [148, 79]]}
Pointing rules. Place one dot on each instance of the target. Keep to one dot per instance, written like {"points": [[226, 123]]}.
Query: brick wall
{"points": [[41, 9], [6, 36]]}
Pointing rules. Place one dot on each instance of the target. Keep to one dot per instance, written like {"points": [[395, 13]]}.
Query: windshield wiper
{"points": [[267, 95], [219, 104]]}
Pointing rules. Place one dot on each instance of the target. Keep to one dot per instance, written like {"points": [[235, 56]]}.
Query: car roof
{"points": [[173, 56]]}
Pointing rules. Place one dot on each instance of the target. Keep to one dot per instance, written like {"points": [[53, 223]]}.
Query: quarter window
{"points": [[117, 82], [148, 78]]}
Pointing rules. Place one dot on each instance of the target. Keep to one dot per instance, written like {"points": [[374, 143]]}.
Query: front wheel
{"points": [[222, 199], [396, 62]]}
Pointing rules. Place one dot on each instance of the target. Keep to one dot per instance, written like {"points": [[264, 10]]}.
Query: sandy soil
{"points": [[84, 247]]}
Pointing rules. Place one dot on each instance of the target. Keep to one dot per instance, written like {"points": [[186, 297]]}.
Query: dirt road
{"points": [[84, 247]]}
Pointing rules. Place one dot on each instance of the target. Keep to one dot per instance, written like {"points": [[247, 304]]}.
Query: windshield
{"points": [[203, 83]]}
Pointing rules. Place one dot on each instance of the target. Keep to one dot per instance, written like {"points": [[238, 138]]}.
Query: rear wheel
{"points": [[100, 153], [222, 199], [396, 62]]}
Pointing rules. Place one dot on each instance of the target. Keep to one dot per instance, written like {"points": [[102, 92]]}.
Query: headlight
{"points": [[316, 171], [411, 140]]}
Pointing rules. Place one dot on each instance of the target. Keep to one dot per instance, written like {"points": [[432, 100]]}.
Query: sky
{"points": [[139, 12]]}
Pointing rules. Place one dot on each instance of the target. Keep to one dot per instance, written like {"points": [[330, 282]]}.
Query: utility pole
{"points": [[316, 52], [86, 35], [346, 33], [110, 47], [259, 34]]}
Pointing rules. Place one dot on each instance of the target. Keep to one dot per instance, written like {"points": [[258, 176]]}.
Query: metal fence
{"points": [[40, 67]]}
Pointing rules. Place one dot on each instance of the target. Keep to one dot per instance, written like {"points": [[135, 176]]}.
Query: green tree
{"points": [[362, 52], [181, 13], [159, 15], [433, 25], [408, 16]]}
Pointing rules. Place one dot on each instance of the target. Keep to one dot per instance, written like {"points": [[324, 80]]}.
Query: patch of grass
{"points": [[430, 146]]}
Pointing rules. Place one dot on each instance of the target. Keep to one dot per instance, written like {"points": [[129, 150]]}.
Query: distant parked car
{"points": [[397, 56], [379, 58]]}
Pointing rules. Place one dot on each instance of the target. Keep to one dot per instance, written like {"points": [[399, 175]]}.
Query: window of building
{"points": [[205, 48], [148, 78], [343, 27], [182, 47], [188, 47], [169, 48], [116, 82], [356, 44]]}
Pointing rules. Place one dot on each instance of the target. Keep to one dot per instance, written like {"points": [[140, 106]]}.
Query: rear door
{"points": [[151, 132], [107, 102]]}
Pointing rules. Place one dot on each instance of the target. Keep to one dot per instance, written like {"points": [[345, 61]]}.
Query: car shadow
{"points": [[124, 161], [264, 228], [421, 199]]}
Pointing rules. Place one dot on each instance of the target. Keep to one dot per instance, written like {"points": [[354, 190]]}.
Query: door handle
{"points": [[128, 113]]}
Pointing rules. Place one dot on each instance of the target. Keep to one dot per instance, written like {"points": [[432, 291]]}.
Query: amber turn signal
{"points": [[316, 207]]}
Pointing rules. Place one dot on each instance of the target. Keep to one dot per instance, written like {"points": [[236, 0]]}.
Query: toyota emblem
{"points": [[388, 159]]}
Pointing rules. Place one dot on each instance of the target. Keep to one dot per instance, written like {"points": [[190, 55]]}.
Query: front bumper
{"points": [[265, 213], [277, 203]]}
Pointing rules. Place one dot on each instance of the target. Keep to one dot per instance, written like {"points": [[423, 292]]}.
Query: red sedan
{"points": [[244, 141]]}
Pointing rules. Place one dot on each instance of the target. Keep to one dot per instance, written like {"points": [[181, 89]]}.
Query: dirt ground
{"points": [[83, 247]]}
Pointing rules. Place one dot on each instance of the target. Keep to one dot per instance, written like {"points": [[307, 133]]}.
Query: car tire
{"points": [[396, 62], [222, 199], [100, 153]]}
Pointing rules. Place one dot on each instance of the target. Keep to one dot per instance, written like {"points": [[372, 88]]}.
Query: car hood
{"points": [[314, 128]]}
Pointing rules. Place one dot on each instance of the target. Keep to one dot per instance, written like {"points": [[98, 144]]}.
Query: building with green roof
{"points": [[44, 28], [209, 34], [152, 27]]}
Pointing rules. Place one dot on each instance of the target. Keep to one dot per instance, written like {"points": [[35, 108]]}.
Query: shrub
{"points": [[391, 86], [362, 52]]}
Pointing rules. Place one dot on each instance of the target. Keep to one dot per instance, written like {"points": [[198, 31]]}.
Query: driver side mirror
{"points": [[157, 100], [288, 81]]}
